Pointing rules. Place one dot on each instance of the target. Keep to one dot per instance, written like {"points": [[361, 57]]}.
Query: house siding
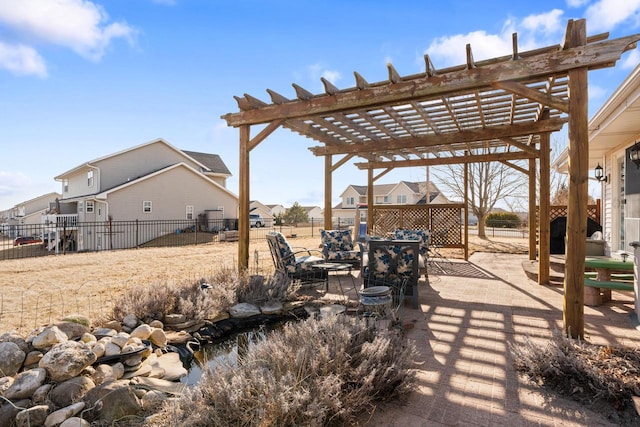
{"points": [[170, 196], [131, 164]]}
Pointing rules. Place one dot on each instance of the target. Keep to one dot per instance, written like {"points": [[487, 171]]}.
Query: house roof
{"points": [[212, 161], [210, 165], [44, 196]]}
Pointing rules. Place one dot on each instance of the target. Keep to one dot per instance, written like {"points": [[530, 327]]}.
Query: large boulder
{"points": [[66, 360], [25, 384], [11, 358], [117, 400]]}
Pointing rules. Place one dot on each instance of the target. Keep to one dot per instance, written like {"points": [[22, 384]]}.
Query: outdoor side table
{"points": [[332, 267]]}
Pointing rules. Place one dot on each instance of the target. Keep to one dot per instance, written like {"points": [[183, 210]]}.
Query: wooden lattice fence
{"points": [[559, 211], [444, 220]]}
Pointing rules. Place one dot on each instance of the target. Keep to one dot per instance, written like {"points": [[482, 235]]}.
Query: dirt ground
{"points": [[36, 291]]}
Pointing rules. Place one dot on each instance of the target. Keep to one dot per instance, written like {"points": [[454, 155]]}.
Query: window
{"points": [[382, 199], [80, 207], [189, 212], [90, 178], [65, 185], [146, 206], [351, 201], [401, 199], [89, 206]]}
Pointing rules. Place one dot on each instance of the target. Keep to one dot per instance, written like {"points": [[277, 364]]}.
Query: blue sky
{"points": [[81, 79]]}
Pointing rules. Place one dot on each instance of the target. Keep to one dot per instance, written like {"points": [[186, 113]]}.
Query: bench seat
{"points": [[609, 284], [597, 292]]}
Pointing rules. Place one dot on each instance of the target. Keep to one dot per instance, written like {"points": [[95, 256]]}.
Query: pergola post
{"points": [[466, 211], [328, 174], [578, 189], [369, 200], [243, 199], [545, 196], [534, 216]]}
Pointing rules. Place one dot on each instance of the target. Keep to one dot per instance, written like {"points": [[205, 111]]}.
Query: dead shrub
{"points": [[588, 373], [313, 373]]}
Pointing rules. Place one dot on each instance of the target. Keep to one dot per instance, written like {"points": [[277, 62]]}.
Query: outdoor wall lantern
{"points": [[599, 173], [634, 154]]}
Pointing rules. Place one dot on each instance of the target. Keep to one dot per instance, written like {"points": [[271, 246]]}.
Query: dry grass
{"points": [[36, 291], [312, 373]]}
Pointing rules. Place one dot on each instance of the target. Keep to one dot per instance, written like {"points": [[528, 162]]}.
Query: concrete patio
{"points": [[469, 315]]}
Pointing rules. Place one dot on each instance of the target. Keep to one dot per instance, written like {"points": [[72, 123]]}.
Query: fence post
{"points": [[137, 236]]}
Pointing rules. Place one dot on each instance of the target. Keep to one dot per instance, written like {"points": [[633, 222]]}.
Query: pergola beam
{"points": [[433, 161]]}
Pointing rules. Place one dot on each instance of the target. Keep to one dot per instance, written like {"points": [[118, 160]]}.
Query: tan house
{"points": [[25, 218], [314, 213], [614, 134], [401, 193], [255, 207], [150, 182]]}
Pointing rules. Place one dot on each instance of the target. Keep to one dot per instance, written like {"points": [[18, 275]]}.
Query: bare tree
{"points": [[489, 182]]}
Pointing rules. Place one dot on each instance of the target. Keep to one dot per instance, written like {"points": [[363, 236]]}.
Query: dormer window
{"points": [[90, 178], [351, 201]]}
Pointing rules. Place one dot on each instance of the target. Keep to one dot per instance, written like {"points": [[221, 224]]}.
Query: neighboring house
{"points": [[614, 132], [401, 193], [23, 218], [255, 207], [276, 210], [152, 181], [314, 213]]}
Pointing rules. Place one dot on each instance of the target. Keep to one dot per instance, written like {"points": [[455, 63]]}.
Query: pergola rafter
{"points": [[506, 106]]}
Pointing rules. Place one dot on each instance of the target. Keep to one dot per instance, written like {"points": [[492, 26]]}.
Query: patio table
{"points": [[603, 266]]}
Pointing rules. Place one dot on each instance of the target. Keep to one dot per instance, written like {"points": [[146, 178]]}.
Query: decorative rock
{"points": [[141, 371], [172, 319], [156, 324], [87, 338], [112, 349], [33, 357], [117, 398], [158, 338], [172, 365], [113, 324], [71, 391], [33, 416], [75, 422], [49, 337], [118, 370], [120, 339], [72, 329], [135, 341], [15, 338], [25, 384], [103, 373], [98, 349], [8, 411], [11, 358], [133, 360], [41, 395], [271, 308], [61, 415], [244, 309], [130, 321], [5, 383], [169, 387], [78, 318], [67, 360], [143, 331]]}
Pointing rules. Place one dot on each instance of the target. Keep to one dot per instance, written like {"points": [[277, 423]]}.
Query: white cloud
{"points": [[631, 60], [80, 25], [533, 31], [22, 60], [604, 15], [576, 3], [332, 76]]}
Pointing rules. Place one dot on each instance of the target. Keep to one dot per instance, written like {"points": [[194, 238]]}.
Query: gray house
{"points": [[153, 181]]}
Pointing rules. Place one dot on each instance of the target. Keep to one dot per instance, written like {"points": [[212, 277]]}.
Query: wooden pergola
{"points": [[502, 109]]}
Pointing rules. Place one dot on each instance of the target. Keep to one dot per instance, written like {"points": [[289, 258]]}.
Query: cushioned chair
{"points": [[394, 263], [338, 246], [295, 263], [423, 236]]}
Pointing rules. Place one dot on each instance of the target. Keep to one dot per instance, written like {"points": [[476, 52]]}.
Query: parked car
{"points": [[255, 220], [26, 240]]}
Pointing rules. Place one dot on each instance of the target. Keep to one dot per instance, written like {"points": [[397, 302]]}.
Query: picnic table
{"points": [[598, 290]]}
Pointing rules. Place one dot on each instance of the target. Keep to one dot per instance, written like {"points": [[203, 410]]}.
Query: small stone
{"points": [[33, 416], [112, 349], [158, 337], [172, 319], [153, 399], [244, 309], [75, 422], [272, 308], [49, 337], [156, 324], [26, 383], [71, 391], [134, 360], [5, 383], [41, 395], [78, 318], [103, 373], [113, 324], [11, 358], [72, 329], [130, 321], [118, 370], [61, 415], [88, 338], [104, 332], [98, 349], [143, 331], [16, 338], [33, 358], [120, 339]]}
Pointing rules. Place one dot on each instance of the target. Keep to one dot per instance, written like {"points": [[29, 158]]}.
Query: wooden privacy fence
{"points": [[444, 220]]}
